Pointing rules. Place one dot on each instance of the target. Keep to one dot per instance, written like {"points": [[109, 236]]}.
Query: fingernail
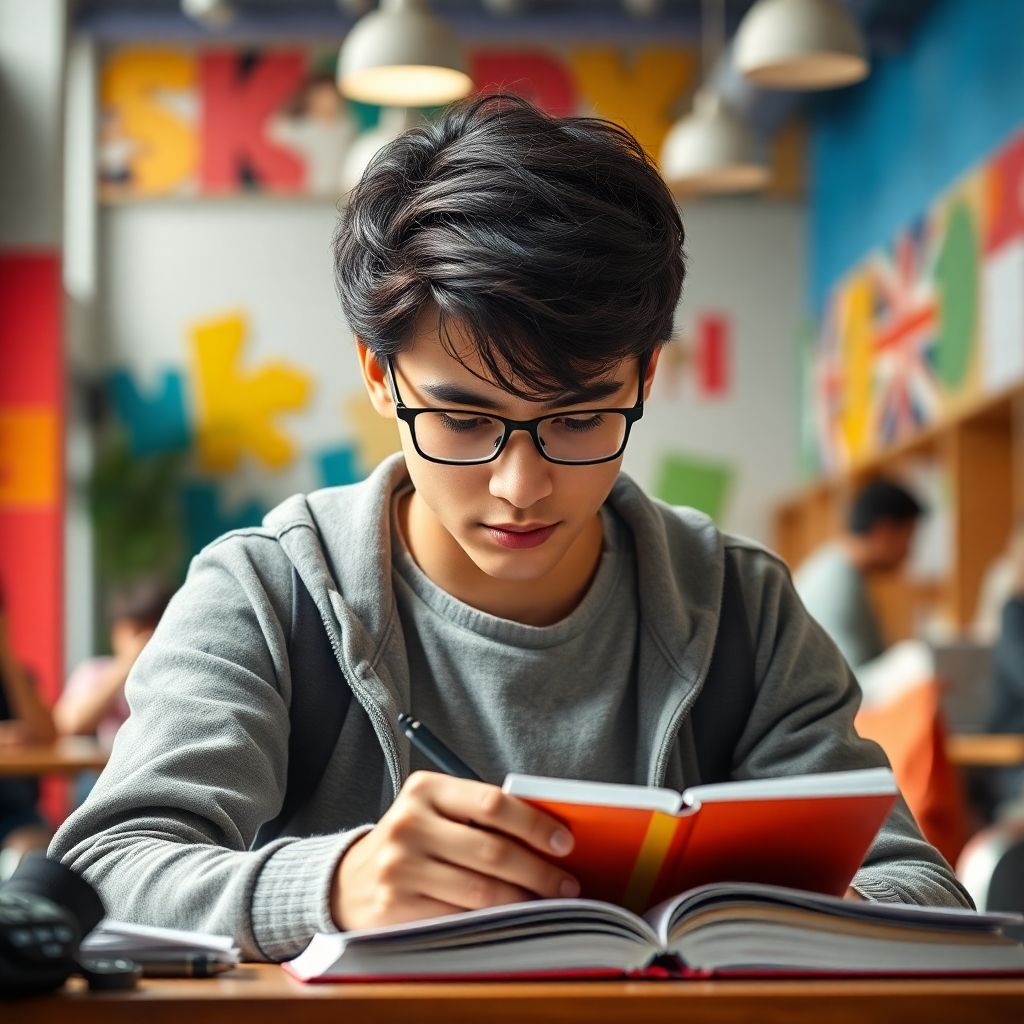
{"points": [[561, 841], [569, 888]]}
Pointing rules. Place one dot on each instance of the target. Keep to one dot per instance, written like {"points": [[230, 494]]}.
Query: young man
{"points": [[510, 279], [833, 582]]}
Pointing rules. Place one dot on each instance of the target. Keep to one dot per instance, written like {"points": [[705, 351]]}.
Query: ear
{"points": [[652, 365], [375, 379]]}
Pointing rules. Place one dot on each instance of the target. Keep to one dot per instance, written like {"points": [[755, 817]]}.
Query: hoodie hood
{"points": [[339, 540]]}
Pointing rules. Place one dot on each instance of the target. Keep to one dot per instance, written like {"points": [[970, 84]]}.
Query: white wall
{"points": [[746, 257], [165, 265]]}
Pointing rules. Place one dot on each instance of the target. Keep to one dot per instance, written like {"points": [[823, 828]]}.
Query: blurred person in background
{"points": [[93, 702], [833, 581], [24, 718]]}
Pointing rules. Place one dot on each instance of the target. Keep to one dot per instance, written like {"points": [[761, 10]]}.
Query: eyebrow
{"points": [[458, 395]]}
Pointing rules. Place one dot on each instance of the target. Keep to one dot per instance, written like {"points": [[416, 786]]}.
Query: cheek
{"points": [[452, 493], [583, 489]]}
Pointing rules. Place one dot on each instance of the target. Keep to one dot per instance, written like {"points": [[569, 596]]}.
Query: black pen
{"points": [[191, 965], [433, 749]]}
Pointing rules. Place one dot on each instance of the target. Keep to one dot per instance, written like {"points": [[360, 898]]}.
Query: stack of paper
{"points": [[146, 944]]}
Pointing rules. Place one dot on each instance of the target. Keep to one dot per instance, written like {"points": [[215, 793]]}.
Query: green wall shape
{"points": [[956, 273], [701, 483]]}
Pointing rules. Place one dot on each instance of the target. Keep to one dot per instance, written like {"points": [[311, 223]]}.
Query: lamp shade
{"points": [[400, 55], [712, 150], [800, 44]]}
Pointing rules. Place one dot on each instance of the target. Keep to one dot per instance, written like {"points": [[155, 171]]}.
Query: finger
{"points": [[412, 908], [488, 806], [500, 858], [467, 889]]}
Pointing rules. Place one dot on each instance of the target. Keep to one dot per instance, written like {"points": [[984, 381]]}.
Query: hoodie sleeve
{"points": [[201, 763], [802, 722]]}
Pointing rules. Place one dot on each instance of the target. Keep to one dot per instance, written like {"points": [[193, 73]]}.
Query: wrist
{"points": [[343, 881]]}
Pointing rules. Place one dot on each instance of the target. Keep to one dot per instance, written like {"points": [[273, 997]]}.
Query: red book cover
{"points": [[805, 832]]}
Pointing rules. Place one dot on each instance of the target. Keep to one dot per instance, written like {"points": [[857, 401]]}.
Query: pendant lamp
{"points": [[800, 44], [712, 149], [400, 55]]}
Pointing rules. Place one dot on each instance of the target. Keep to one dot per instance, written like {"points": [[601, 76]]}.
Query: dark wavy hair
{"points": [[883, 500], [553, 242]]}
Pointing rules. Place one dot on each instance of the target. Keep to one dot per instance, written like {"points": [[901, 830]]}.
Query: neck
{"points": [[857, 551], [532, 602]]}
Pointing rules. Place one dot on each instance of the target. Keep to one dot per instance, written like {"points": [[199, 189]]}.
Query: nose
{"points": [[520, 475]]}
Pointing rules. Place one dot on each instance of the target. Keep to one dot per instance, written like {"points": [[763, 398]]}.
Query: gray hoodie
{"points": [[167, 835]]}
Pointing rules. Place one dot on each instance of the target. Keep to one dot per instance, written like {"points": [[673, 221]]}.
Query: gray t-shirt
{"points": [[493, 689], [835, 593]]}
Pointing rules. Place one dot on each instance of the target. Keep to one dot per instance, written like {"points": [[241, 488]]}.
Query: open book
{"points": [[639, 845], [728, 929]]}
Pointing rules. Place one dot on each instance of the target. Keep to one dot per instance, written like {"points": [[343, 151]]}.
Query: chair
{"points": [[991, 866]]}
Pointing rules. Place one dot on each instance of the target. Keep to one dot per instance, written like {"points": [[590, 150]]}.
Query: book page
{"points": [[860, 782], [538, 937]]}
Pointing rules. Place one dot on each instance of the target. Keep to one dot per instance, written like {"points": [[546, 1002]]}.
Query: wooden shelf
{"points": [[980, 451]]}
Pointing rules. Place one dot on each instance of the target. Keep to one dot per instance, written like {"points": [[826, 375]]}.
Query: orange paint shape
{"points": [[29, 457]]}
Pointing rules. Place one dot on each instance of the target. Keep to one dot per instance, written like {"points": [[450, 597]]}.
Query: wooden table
{"points": [[261, 994], [992, 750], [67, 756]]}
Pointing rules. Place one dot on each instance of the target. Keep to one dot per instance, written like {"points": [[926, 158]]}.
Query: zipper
{"points": [[380, 723], [672, 732]]}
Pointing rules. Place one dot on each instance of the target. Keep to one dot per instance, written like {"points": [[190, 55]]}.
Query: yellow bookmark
{"points": [[657, 840]]}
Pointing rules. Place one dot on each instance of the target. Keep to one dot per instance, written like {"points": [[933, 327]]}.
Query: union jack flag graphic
{"points": [[906, 321]]}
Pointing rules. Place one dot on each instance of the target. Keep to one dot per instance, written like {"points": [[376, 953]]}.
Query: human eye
{"points": [[579, 424], [463, 423]]}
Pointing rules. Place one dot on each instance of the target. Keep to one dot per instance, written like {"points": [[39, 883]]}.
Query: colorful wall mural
{"points": [[235, 386], [179, 122], [223, 412], [31, 460], [927, 324]]}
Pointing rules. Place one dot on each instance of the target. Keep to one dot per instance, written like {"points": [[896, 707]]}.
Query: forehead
{"points": [[457, 359]]}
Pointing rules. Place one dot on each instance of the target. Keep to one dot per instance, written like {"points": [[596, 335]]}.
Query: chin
{"points": [[516, 566]]}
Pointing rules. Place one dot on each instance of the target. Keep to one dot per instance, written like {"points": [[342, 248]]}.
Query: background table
{"points": [[67, 756], [991, 750], [262, 994]]}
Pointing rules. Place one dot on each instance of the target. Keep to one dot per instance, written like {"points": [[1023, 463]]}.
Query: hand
{"points": [[13, 733], [128, 647], [852, 894], [447, 845]]}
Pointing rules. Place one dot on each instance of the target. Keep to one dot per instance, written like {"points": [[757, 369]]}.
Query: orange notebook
{"points": [[639, 845]]}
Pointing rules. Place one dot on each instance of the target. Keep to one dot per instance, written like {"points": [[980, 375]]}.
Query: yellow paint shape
{"points": [[857, 341], [649, 861], [238, 408], [162, 149], [641, 94], [29, 457]]}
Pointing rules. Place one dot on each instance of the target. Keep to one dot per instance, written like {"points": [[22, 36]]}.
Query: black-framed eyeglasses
{"points": [[462, 437]]}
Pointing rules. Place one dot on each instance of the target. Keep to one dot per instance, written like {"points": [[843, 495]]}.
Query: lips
{"points": [[518, 528], [509, 535]]}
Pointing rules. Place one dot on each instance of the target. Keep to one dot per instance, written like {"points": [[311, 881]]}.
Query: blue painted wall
{"points": [[880, 152]]}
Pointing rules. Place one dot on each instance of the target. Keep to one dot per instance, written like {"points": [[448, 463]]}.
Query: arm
{"points": [[802, 722], [80, 710], [31, 720], [201, 764]]}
